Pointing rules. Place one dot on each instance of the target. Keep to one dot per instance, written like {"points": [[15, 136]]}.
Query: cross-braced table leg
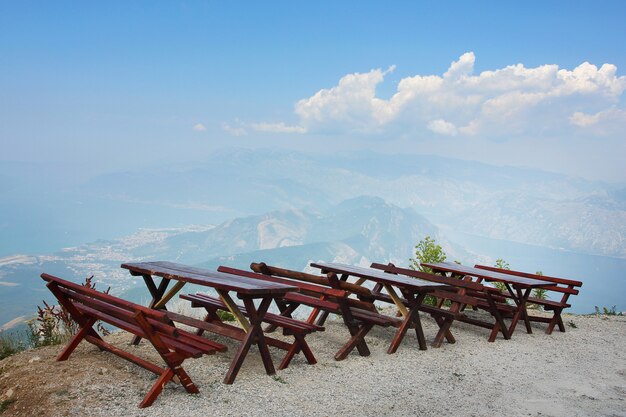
{"points": [[357, 329], [520, 299], [254, 334], [157, 295], [412, 318]]}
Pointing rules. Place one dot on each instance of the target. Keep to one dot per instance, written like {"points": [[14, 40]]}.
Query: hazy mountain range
{"points": [[515, 204], [292, 208]]}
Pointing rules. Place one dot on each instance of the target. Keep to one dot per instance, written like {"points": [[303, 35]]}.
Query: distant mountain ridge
{"points": [[373, 229], [515, 204]]}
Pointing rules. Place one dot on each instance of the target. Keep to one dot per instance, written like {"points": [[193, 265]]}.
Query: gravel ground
{"points": [[578, 373]]}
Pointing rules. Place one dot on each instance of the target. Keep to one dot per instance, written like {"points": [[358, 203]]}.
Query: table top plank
{"points": [[487, 275], [217, 280], [382, 277]]}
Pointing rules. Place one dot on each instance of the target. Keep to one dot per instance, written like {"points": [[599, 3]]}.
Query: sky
{"points": [[105, 86]]}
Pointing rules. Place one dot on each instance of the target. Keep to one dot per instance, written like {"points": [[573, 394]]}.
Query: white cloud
{"points": [[513, 100], [442, 127], [607, 121], [277, 128], [199, 127], [351, 103], [239, 130], [584, 120]]}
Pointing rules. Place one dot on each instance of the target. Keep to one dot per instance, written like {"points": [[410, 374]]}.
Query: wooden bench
{"points": [[316, 292], [291, 327], [86, 306], [468, 293], [566, 287]]}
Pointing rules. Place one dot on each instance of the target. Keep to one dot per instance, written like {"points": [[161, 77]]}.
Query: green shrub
{"points": [[225, 315], [5, 404], [540, 293], [426, 250], [53, 325], [10, 344], [502, 264], [608, 311]]}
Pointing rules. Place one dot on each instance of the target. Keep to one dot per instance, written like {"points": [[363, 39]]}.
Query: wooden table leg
{"points": [[323, 315], [171, 293], [499, 325], [520, 300], [254, 334], [524, 297], [355, 341], [157, 295], [412, 318], [357, 331], [232, 307], [256, 319], [396, 300]]}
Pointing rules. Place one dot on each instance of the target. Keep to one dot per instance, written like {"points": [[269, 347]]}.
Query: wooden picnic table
{"points": [[519, 288], [246, 289], [413, 290]]}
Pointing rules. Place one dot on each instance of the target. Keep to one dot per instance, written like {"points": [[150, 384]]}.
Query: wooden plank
{"points": [[390, 268], [485, 274], [378, 276], [234, 309], [217, 280], [158, 315], [171, 293], [396, 300], [301, 276], [310, 282], [532, 276]]}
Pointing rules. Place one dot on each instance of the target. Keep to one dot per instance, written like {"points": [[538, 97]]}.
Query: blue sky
{"points": [[112, 85]]}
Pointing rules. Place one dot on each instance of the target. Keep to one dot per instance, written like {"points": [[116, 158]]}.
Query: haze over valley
{"points": [[292, 208]]}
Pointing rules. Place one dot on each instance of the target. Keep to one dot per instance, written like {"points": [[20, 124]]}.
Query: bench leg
{"points": [[444, 332], [83, 321], [357, 333], [355, 341], [299, 345], [494, 332], [75, 341], [156, 389], [323, 315], [173, 361], [211, 317], [556, 319], [284, 311]]}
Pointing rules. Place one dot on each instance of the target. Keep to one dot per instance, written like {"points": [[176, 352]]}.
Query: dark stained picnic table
{"points": [[413, 290], [519, 288], [246, 289]]}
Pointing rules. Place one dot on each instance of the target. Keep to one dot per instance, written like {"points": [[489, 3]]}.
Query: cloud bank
{"points": [[510, 101]]}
